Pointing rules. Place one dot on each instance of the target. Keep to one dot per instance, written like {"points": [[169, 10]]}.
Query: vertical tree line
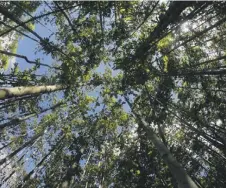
{"points": [[155, 117]]}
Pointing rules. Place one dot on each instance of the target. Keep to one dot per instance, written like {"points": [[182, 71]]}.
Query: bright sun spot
{"points": [[184, 27], [219, 122]]}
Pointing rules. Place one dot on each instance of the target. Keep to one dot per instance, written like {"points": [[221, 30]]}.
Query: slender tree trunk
{"points": [[55, 147], [34, 138], [214, 140], [182, 178], [188, 40], [7, 178], [189, 126], [84, 171], [33, 112], [14, 171], [170, 16], [20, 119], [6, 93], [138, 27], [207, 62], [210, 149], [199, 73], [198, 34], [11, 101], [197, 88]]}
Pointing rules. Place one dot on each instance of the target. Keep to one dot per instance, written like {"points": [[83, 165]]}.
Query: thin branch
{"points": [[27, 177], [23, 34], [84, 171], [208, 61], [27, 116], [17, 4], [145, 19], [66, 16], [43, 42], [27, 60], [21, 24], [33, 139]]}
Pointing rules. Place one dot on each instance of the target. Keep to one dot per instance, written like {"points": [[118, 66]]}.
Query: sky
{"points": [[28, 48]]}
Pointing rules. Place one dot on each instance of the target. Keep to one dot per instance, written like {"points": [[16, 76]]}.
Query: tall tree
{"points": [[133, 94]]}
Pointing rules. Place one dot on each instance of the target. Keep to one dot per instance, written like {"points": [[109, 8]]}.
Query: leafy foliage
{"points": [[134, 89]]}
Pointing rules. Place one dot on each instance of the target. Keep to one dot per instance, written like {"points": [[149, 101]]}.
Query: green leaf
{"points": [[165, 42], [138, 172], [165, 60]]}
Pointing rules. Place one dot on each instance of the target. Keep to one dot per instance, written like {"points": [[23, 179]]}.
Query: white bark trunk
{"points": [[20, 91]]}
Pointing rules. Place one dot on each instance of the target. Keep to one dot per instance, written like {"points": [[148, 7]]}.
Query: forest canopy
{"points": [[112, 94]]}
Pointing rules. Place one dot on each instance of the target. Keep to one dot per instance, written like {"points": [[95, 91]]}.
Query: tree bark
{"points": [[26, 59], [199, 73], [33, 139], [216, 143], [55, 147], [23, 118], [178, 172], [6, 93], [182, 178]]}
